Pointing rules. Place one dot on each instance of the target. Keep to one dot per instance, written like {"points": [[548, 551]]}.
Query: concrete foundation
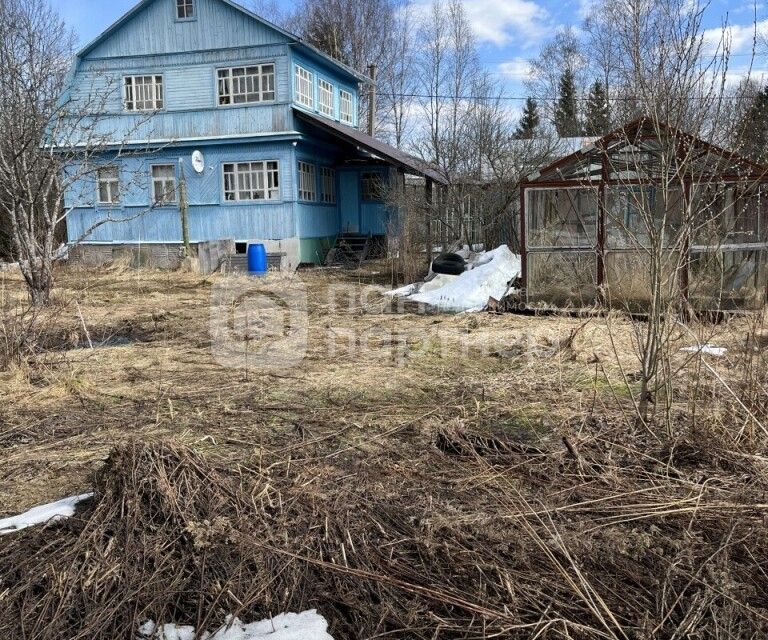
{"points": [[282, 254]]}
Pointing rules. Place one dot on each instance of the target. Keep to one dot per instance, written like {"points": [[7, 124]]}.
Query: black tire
{"points": [[450, 264]]}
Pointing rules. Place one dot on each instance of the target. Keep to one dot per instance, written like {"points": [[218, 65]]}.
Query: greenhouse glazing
{"points": [[646, 211]]}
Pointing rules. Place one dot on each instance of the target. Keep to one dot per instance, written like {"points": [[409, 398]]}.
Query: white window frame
{"points": [[252, 181], [108, 178], [187, 7], [328, 184], [346, 107], [304, 87], [325, 97], [143, 92], [233, 83], [307, 181], [167, 186]]}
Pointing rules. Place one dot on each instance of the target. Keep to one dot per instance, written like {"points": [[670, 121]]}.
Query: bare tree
{"points": [[398, 83], [54, 138], [666, 179], [35, 48], [453, 89], [277, 13]]}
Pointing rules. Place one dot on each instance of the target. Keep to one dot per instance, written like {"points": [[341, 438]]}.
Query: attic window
{"points": [[185, 9]]}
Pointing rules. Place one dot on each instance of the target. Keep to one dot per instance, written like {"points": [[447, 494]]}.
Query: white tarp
{"points": [[488, 275]]}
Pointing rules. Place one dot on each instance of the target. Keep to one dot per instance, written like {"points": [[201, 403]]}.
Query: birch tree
{"points": [[51, 143], [35, 49]]}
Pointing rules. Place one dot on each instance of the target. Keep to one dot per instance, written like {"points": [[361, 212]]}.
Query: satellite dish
{"points": [[198, 161]]}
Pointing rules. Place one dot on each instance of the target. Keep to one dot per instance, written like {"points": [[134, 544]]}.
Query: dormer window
{"points": [[325, 98], [345, 107], [185, 9], [305, 87]]}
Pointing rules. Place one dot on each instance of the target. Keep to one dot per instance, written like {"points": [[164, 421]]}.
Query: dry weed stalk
{"points": [[486, 539]]}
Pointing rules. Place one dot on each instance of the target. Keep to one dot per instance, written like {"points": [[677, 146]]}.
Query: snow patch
{"points": [[45, 513], [489, 275], [709, 349], [287, 626]]}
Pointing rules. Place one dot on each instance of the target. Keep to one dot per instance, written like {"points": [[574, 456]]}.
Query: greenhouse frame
{"points": [[646, 215]]}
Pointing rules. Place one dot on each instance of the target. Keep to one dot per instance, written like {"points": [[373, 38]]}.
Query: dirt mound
{"points": [[581, 541]]}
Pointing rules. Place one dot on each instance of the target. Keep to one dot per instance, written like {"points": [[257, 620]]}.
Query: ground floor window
{"points": [[328, 179], [163, 184], [252, 181], [109, 185], [307, 182]]}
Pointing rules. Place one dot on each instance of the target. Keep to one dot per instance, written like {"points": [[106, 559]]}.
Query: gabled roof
{"points": [[641, 138], [290, 36], [380, 149]]}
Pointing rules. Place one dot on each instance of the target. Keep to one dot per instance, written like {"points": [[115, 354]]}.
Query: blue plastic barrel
{"points": [[257, 259]]}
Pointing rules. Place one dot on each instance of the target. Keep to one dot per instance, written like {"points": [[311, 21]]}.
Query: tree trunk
{"points": [[39, 278]]}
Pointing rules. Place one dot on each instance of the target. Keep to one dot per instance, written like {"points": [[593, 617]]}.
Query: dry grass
{"points": [[151, 374], [462, 476]]}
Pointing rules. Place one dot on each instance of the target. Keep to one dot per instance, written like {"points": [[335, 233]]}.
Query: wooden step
{"points": [[350, 250]]}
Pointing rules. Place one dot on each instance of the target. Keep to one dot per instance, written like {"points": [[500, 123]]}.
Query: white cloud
{"points": [[501, 22], [517, 69], [739, 38], [750, 7], [585, 8], [739, 73]]}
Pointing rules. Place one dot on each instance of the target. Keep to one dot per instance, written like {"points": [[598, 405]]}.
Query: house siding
{"points": [[154, 30], [210, 217], [187, 54], [190, 108], [316, 219]]}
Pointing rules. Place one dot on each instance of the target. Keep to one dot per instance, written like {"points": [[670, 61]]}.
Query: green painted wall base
{"points": [[315, 250]]}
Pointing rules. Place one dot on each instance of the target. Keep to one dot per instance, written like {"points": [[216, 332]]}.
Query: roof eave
{"points": [[356, 138]]}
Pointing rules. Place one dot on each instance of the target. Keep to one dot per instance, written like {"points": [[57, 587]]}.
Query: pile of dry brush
{"points": [[477, 536]]}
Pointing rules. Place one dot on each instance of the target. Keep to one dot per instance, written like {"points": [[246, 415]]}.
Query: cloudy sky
{"points": [[509, 31]]}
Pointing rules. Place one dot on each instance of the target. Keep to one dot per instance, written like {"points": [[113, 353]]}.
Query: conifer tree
{"points": [[598, 119], [529, 121], [753, 133], [566, 119]]}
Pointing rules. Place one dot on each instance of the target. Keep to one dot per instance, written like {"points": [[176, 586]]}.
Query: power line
{"points": [[428, 96]]}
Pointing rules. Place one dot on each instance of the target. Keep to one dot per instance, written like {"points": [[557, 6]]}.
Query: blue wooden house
{"points": [[261, 127]]}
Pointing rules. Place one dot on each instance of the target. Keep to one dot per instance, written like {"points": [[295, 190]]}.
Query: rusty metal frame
{"points": [[542, 182]]}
